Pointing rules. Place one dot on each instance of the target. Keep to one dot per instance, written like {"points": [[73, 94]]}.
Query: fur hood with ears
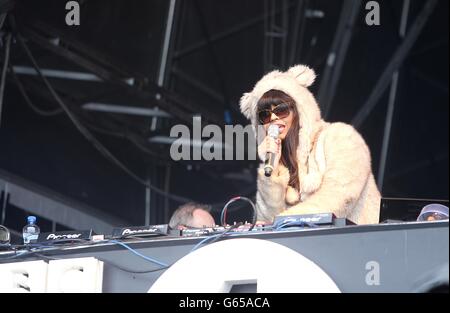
{"points": [[334, 164]]}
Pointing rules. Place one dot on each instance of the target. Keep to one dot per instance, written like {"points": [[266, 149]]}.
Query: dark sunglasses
{"points": [[281, 111]]}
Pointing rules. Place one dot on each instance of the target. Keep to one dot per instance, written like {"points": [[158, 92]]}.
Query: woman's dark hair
{"points": [[291, 141]]}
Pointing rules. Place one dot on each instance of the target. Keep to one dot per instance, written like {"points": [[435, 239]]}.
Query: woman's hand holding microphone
{"points": [[271, 145]]}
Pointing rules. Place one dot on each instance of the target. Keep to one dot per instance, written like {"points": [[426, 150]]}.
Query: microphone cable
{"points": [[223, 215]]}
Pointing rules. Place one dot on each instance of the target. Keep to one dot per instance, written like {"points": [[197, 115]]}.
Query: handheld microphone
{"points": [[273, 132]]}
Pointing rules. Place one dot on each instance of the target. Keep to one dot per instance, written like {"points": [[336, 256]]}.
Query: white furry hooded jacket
{"points": [[334, 162]]}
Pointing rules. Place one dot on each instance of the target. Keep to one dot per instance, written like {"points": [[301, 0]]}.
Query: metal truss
{"points": [[58, 209]]}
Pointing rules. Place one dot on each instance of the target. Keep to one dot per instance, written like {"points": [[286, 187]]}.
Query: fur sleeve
{"points": [[271, 193], [348, 167]]}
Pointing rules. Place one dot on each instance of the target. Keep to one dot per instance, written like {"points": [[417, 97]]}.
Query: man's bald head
{"points": [[193, 215]]}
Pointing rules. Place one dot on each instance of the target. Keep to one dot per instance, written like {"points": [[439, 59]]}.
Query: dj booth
{"points": [[402, 256]]}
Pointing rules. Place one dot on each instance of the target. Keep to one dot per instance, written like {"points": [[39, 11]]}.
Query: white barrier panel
{"points": [[23, 277], [82, 275], [68, 275], [219, 266]]}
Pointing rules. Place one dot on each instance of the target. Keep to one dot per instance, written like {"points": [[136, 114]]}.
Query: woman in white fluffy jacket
{"points": [[320, 167]]}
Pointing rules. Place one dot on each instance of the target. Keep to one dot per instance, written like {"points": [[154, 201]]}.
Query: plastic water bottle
{"points": [[31, 230]]}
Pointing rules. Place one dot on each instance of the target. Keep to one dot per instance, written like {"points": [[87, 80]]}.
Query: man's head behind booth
{"points": [[192, 215]]}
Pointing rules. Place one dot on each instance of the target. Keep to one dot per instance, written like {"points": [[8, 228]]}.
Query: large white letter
{"points": [[182, 141], [240, 132], [373, 17], [215, 142], [373, 276], [197, 138], [73, 16]]}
